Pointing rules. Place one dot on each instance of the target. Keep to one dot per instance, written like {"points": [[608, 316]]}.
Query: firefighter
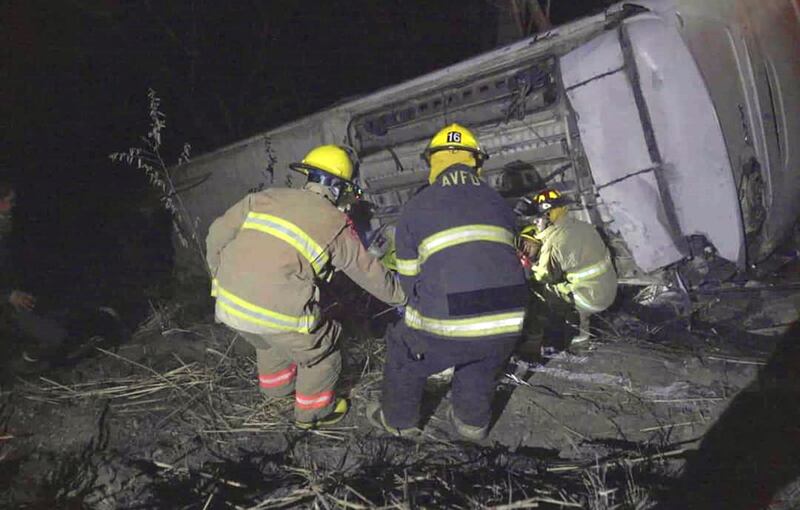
{"points": [[466, 292], [571, 266], [267, 255]]}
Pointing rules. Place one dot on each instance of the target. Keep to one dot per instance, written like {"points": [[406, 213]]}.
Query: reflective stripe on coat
{"points": [[267, 253], [457, 260], [574, 259]]}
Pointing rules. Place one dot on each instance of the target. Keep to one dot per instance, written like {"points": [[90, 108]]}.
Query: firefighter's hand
{"points": [[22, 300], [563, 289], [530, 248]]}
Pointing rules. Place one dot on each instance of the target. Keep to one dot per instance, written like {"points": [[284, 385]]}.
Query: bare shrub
{"points": [[149, 159]]}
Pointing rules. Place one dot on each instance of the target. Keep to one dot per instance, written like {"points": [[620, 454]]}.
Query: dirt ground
{"points": [[674, 413]]}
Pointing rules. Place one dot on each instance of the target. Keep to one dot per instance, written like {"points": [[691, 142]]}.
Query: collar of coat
{"points": [[553, 227], [321, 190], [455, 169]]}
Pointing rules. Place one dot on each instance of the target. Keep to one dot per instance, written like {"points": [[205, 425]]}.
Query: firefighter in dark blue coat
{"points": [[466, 292]]}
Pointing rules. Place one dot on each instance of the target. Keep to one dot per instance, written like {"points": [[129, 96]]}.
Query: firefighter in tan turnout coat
{"points": [[267, 254], [572, 271]]}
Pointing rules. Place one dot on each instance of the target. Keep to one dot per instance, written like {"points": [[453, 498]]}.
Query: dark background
{"points": [[75, 76]]}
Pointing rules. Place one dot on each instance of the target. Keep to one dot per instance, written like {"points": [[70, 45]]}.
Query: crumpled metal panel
{"points": [[595, 58], [747, 52], [638, 217], [613, 138], [689, 138], [610, 129]]}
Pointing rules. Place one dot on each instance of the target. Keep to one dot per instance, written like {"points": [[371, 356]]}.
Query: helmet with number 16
{"points": [[454, 138]]}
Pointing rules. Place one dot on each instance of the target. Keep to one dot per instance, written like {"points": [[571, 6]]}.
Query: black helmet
{"points": [[539, 203]]}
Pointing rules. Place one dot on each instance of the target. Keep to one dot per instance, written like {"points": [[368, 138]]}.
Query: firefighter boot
{"points": [[334, 417], [376, 418], [470, 432], [581, 341]]}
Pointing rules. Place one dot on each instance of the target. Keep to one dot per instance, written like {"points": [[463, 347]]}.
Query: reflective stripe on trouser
{"points": [[481, 326], [275, 369], [320, 400], [258, 316], [452, 237], [318, 360], [276, 384], [476, 363]]}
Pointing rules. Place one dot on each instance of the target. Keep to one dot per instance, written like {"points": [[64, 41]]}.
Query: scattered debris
{"points": [[168, 419]]}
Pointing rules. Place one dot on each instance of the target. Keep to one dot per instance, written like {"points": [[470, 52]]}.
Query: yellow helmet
{"points": [[330, 159], [455, 137], [528, 232]]}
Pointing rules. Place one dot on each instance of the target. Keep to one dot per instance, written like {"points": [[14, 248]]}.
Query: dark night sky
{"points": [[75, 75]]}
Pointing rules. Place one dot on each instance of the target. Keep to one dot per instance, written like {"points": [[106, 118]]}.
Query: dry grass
{"points": [[217, 398], [600, 495]]}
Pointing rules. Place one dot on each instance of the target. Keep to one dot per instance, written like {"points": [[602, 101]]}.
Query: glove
{"points": [[563, 289]]}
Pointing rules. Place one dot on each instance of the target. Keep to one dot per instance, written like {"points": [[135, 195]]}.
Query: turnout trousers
{"points": [[307, 366], [412, 356], [549, 321]]}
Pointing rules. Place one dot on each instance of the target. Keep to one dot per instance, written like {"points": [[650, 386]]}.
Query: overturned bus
{"points": [[672, 124]]}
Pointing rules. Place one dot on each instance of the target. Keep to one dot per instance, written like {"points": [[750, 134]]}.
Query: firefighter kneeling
{"points": [[466, 292], [572, 271], [267, 254]]}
